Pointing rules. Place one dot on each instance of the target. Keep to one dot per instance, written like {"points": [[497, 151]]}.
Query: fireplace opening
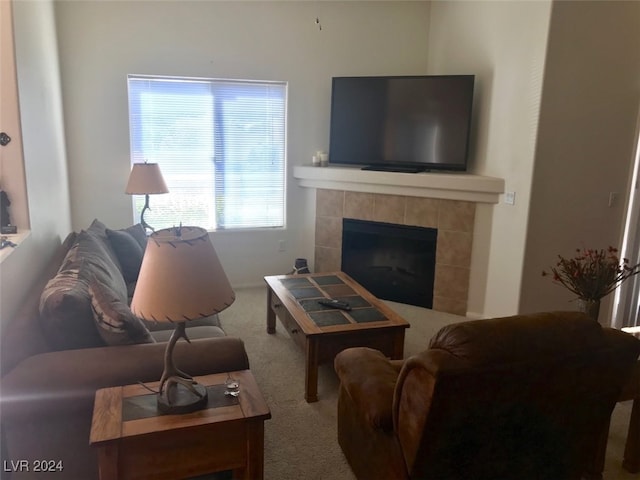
{"points": [[394, 262]]}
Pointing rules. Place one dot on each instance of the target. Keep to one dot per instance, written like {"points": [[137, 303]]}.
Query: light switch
{"points": [[510, 198]]}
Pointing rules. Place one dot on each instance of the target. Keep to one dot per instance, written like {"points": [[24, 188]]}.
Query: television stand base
{"points": [[391, 168]]}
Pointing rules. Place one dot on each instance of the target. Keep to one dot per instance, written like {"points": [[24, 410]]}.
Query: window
{"points": [[220, 145]]}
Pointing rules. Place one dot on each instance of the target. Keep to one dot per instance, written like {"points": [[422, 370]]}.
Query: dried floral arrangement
{"points": [[592, 274]]}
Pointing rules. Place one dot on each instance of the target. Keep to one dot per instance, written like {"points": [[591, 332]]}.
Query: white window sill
{"points": [[16, 238]]}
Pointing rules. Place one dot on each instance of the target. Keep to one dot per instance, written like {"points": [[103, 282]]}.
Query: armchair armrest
{"points": [[369, 378], [59, 382]]}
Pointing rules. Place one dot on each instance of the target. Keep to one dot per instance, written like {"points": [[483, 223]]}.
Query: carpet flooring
{"points": [[301, 438]]}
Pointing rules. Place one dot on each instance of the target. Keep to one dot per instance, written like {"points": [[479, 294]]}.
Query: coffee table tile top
{"points": [[338, 290], [312, 305], [309, 289], [328, 280], [308, 292], [145, 406], [325, 319], [367, 315], [299, 295], [296, 282]]}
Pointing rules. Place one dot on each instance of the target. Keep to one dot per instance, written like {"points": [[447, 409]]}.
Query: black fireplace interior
{"points": [[394, 262]]}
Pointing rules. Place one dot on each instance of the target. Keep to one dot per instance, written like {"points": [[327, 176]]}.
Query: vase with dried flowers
{"points": [[592, 275]]}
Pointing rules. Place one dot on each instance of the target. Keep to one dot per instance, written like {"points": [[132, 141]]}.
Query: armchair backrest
{"points": [[518, 397]]}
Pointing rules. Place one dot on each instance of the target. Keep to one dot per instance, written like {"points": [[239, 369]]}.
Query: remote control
{"points": [[335, 304]]}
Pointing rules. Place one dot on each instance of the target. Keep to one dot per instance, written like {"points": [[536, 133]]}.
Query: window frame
{"points": [[274, 93]]}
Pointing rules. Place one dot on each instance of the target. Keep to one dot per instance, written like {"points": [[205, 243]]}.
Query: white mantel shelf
{"points": [[449, 185]]}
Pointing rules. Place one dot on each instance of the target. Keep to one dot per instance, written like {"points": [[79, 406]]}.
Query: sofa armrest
{"points": [[60, 382], [369, 378]]}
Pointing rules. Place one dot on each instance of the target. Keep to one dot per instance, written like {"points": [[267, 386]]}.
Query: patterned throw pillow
{"points": [[65, 307], [116, 323]]}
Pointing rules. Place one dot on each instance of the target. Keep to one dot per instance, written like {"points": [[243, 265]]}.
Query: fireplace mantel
{"points": [[449, 186]]}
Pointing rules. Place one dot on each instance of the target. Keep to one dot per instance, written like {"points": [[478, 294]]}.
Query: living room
{"points": [[556, 108], [530, 117]]}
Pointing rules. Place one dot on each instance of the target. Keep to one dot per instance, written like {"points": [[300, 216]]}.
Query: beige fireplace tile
{"points": [[329, 232], [456, 215], [389, 208], [449, 305], [451, 282], [329, 203], [359, 205], [454, 220], [454, 248], [328, 259], [422, 212]]}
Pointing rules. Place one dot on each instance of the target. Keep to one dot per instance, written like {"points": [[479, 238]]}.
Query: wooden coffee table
{"points": [[134, 442], [323, 332]]}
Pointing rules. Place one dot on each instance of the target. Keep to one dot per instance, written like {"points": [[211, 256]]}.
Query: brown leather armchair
{"points": [[523, 397]]}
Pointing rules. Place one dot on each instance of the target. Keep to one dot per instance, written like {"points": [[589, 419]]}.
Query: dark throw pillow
{"points": [[129, 253], [138, 232]]}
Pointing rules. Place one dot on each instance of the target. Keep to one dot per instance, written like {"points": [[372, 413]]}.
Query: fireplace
{"points": [[452, 219], [394, 262]]}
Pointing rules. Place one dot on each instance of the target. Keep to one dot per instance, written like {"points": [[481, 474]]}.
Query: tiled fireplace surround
{"points": [[454, 220]]}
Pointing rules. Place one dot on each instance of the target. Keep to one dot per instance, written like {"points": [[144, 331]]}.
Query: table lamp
{"points": [[181, 279], [145, 179]]}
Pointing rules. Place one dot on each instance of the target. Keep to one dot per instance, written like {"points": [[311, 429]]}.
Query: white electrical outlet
{"points": [[282, 245], [510, 198]]}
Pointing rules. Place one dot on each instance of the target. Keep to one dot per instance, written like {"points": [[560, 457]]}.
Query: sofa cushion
{"points": [[210, 321], [129, 253], [117, 325], [193, 333]]}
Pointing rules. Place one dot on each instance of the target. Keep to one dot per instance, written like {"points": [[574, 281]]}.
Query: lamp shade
{"points": [[145, 178], [181, 277]]}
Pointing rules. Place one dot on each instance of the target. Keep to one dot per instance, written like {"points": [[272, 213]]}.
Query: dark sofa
{"points": [[74, 335]]}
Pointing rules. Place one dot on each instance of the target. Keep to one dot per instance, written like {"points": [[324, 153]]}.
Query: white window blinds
{"points": [[220, 145]]}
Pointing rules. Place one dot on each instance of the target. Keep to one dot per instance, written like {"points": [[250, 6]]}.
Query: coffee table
{"points": [[323, 332], [135, 442]]}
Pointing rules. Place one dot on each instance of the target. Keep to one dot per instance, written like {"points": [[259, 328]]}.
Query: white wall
{"points": [[102, 42], [44, 151], [503, 44], [586, 141], [12, 179]]}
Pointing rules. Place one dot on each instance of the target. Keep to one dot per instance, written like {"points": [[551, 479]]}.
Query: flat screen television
{"points": [[401, 123]]}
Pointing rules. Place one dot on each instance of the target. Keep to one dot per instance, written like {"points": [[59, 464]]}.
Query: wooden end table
{"points": [[323, 332], [134, 442]]}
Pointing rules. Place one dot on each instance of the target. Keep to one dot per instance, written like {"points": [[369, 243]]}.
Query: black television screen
{"points": [[408, 123]]}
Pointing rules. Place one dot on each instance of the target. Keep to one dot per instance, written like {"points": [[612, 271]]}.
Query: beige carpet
{"points": [[300, 438]]}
